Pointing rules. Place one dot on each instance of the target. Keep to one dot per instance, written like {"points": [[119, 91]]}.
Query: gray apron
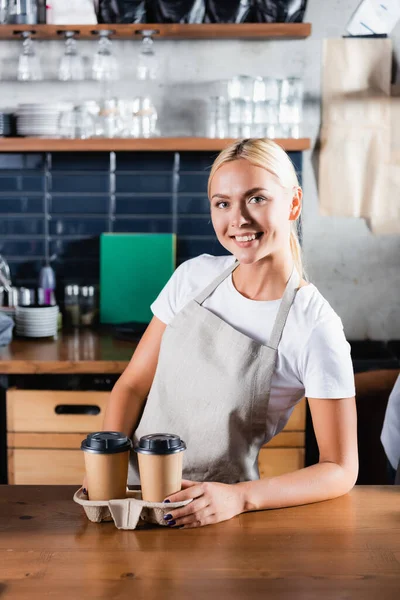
{"points": [[212, 387]]}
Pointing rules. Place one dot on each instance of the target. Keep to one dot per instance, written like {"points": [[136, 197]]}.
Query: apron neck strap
{"points": [[288, 297], [215, 283]]}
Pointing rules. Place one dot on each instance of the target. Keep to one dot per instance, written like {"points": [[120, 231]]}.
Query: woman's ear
{"points": [[296, 203]]}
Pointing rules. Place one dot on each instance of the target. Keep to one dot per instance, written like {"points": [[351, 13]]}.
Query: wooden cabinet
{"points": [[44, 432], [45, 429], [286, 451]]}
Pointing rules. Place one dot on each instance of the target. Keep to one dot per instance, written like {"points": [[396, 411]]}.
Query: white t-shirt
{"points": [[313, 354], [390, 436]]}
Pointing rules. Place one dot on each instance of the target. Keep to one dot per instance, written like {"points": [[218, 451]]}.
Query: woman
{"points": [[235, 342]]}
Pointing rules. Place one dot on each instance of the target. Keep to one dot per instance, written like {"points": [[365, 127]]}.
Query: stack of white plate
{"points": [[40, 120], [38, 321]]}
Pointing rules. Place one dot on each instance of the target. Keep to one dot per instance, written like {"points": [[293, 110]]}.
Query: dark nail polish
{"points": [[167, 517], [167, 501], [84, 491], [171, 523]]}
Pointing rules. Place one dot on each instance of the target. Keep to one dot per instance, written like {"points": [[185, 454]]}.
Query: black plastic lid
{"points": [[160, 443], [106, 442]]}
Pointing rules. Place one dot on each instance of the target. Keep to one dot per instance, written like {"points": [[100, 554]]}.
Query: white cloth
{"points": [[390, 436], [313, 355]]}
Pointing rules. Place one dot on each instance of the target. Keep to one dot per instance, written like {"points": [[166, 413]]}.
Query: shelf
{"points": [[168, 31], [175, 144]]}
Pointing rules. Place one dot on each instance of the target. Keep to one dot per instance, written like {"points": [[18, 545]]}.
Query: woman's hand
{"points": [[212, 502]]}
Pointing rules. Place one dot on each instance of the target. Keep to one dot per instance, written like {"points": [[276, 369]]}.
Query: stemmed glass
{"points": [[105, 65], [29, 67], [147, 65], [71, 67]]}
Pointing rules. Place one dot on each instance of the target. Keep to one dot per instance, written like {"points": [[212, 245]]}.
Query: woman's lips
{"points": [[247, 244]]}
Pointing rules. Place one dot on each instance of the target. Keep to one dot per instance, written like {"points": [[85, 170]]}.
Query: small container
{"points": [[47, 282], [87, 305], [71, 304], [26, 296]]}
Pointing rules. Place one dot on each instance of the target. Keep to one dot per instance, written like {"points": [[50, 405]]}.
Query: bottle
{"points": [[47, 282], [71, 305]]}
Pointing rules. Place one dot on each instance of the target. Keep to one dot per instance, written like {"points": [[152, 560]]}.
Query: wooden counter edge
{"points": [[27, 367]]}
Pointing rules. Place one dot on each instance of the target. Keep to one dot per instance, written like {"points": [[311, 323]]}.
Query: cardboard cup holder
{"points": [[126, 512]]}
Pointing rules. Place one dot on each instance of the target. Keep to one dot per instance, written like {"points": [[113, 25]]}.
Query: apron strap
{"points": [[215, 283], [284, 308]]}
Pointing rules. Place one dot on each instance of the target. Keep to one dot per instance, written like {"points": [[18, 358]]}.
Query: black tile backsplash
{"points": [[16, 181], [149, 224], [157, 182], [145, 161], [21, 204], [56, 205], [79, 204], [76, 226], [21, 225], [129, 204], [76, 183]]}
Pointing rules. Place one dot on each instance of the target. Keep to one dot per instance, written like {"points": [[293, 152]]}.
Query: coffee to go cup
{"points": [[160, 465], [106, 461]]}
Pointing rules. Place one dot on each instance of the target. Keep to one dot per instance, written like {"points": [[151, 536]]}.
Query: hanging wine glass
{"points": [[71, 67], [105, 66], [147, 64], [29, 67]]}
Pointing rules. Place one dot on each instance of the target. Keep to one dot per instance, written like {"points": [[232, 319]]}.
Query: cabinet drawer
{"points": [[45, 467], [55, 411], [277, 461]]}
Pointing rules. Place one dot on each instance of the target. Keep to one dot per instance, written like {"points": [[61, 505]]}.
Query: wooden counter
{"points": [[343, 548], [80, 351]]}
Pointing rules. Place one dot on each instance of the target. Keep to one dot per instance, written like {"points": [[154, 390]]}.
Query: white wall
{"points": [[357, 272]]}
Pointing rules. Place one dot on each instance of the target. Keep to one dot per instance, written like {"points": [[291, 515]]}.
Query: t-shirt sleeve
{"points": [[165, 306], [325, 365]]}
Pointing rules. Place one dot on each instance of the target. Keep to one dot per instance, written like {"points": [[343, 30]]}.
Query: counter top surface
{"points": [[343, 548], [80, 351]]}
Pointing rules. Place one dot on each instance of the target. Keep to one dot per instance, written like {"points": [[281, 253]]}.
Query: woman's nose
{"points": [[239, 217]]}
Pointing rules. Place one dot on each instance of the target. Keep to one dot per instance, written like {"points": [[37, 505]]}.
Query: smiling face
{"points": [[251, 211]]}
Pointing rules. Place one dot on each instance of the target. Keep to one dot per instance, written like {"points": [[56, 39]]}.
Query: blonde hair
{"points": [[268, 155]]}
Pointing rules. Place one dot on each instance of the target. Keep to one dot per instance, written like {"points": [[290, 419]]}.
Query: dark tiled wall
{"points": [[57, 205]]}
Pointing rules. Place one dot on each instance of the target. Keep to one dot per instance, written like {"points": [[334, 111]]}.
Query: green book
{"points": [[134, 267]]}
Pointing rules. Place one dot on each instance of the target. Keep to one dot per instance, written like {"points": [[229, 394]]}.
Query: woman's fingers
{"points": [[186, 511]]}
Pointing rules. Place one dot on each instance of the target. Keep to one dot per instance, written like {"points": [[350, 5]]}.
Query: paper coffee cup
{"points": [[160, 465], [106, 461]]}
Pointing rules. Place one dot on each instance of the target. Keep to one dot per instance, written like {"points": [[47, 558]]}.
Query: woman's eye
{"points": [[257, 199], [221, 204]]}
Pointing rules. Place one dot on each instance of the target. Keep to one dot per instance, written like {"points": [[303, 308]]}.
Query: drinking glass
{"points": [[105, 65], [29, 67], [217, 117], [71, 67], [241, 86], [22, 12], [144, 118], [291, 107], [147, 64], [266, 107], [3, 11], [76, 123], [109, 123]]}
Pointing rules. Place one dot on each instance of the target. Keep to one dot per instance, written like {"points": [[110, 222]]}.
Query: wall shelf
{"points": [[190, 144], [166, 30]]}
